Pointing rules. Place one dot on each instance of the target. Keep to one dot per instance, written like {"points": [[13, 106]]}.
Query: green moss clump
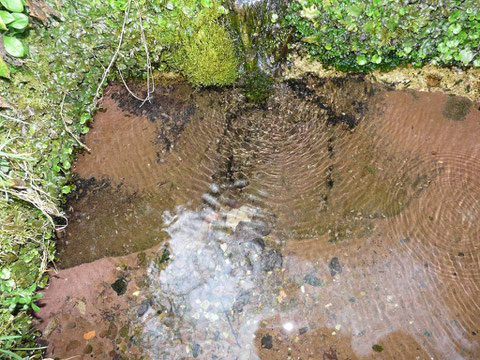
{"points": [[208, 57]]}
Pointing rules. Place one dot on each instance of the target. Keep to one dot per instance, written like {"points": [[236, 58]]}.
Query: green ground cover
{"points": [[364, 35]]}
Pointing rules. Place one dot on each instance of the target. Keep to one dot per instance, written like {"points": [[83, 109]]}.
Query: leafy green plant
{"points": [[15, 298], [13, 22], [361, 36], [6, 341]]}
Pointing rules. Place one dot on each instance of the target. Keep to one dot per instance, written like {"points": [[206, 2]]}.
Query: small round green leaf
{"points": [[20, 22], [466, 56], [361, 60], [13, 5], [13, 46], [376, 59], [6, 17]]}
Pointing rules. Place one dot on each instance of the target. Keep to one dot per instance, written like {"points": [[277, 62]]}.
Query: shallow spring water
{"points": [[340, 220]]}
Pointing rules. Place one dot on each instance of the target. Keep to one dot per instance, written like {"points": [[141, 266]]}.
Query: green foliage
{"points": [[23, 244], [359, 35], [13, 23]]}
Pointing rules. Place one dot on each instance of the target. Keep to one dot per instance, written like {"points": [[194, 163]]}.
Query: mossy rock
{"points": [[208, 57]]}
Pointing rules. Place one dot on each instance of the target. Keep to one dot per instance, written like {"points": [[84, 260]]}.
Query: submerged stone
{"points": [[143, 308], [312, 279], [271, 260], [120, 286], [267, 341], [195, 350], [302, 330], [335, 267]]}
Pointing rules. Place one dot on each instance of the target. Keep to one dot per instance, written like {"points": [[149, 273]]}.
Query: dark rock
{"points": [[335, 267], [267, 342], [248, 231], [260, 228], [302, 330], [143, 308], [456, 108], [112, 331], [120, 286], [195, 350], [71, 325], [271, 259], [241, 301], [312, 279], [260, 242], [44, 343]]}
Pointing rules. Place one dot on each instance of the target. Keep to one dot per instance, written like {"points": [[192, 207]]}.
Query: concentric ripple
{"points": [[442, 226], [335, 217]]}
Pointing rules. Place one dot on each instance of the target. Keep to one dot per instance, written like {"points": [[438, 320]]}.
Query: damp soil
{"points": [[338, 220]]}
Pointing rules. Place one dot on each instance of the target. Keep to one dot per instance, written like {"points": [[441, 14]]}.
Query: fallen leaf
{"points": [[41, 10], [51, 326], [89, 335]]}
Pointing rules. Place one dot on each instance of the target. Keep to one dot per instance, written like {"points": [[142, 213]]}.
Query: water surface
{"points": [[339, 220]]}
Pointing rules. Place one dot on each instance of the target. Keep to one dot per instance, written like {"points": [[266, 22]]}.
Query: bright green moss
{"points": [[207, 57]]}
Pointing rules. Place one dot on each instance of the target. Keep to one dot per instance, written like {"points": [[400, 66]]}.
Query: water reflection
{"points": [[215, 290]]}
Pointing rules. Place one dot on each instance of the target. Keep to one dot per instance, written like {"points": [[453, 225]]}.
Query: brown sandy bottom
{"points": [[337, 221]]}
